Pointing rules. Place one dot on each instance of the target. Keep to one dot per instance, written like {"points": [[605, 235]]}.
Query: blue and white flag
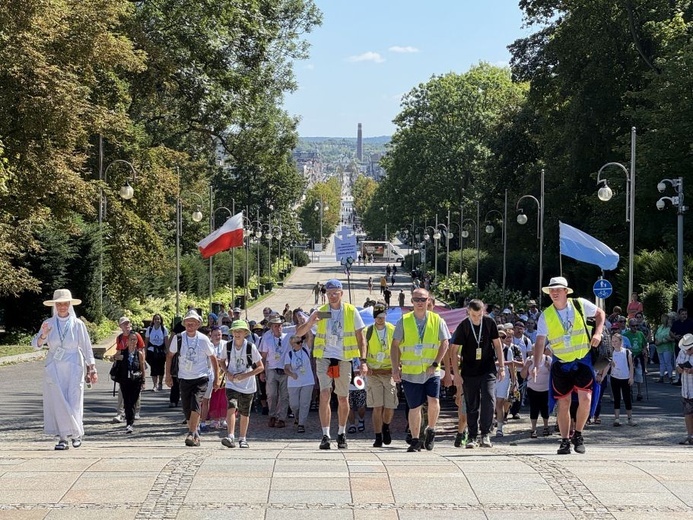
{"points": [[585, 248]]}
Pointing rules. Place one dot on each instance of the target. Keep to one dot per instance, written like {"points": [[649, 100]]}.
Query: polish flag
{"points": [[228, 236]]}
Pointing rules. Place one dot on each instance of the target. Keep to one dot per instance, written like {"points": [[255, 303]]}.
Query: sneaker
{"points": [[415, 445], [387, 436], [118, 418], [76, 442], [228, 441], [243, 444], [62, 445], [547, 431], [617, 423], [129, 428], [341, 442], [486, 441], [579, 443], [564, 448], [325, 443], [204, 428], [137, 416], [154, 389], [430, 439], [460, 439], [471, 444], [301, 429], [499, 432], [631, 422]]}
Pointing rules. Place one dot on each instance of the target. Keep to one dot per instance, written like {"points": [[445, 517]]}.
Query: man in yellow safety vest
{"points": [[338, 330], [563, 324], [419, 343]]}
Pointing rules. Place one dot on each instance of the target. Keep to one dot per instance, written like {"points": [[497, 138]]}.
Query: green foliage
{"points": [[657, 299], [493, 294], [301, 258]]}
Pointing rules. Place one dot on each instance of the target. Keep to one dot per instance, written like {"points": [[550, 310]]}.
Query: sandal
{"points": [[547, 431], [62, 445], [352, 429], [362, 426], [533, 435], [301, 429], [597, 420]]}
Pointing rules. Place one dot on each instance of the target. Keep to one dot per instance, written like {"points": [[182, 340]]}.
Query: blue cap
{"points": [[333, 284]]}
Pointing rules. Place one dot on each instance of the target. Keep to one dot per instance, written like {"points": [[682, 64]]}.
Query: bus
{"points": [[382, 251]]}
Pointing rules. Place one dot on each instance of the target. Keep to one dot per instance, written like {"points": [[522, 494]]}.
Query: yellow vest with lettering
{"points": [[579, 341], [349, 343], [412, 363], [374, 347]]}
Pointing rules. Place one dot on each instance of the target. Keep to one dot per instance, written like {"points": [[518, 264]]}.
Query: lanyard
{"points": [[481, 326], [422, 328], [567, 324], [62, 334], [191, 353], [383, 338]]}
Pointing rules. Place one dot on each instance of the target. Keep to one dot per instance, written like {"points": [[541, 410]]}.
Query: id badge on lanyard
{"points": [[478, 354]]}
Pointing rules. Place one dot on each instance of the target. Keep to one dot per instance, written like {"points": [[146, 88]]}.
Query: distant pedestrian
{"points": [[388, 270], [387, 294], [316, 292], [323, 293], [383, 284], [392, 281], [401, 297]]}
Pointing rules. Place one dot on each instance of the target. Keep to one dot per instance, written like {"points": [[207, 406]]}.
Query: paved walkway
{"points": [[627, 473]]}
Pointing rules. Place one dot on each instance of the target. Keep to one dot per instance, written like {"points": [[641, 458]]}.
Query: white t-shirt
{"points": [[275, 348], [194, 355], [543, 369], [334, 348], [620, 368], [156, 337], [300, 364], [568, 315], [238, 364]]}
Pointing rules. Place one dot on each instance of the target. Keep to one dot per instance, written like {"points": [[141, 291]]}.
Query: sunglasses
{"points": [[419, 300], [299, 342]]}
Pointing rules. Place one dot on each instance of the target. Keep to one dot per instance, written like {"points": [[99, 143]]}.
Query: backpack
{"points": [[291, 352], [602, 355], [176, 356], [248, 355]]}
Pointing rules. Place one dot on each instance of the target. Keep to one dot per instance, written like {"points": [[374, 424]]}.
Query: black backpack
{"points": [[604, 353], [248, 355]]}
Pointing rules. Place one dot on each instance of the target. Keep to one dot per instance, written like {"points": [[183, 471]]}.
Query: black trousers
{"points": [[620, 387], [130, 388], [480, 398]]}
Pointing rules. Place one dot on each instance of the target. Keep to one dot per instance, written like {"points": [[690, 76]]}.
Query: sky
{"points": [[368, 53]]}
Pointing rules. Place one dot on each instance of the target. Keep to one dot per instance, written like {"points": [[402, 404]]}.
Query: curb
{"points": [[21, 358]]}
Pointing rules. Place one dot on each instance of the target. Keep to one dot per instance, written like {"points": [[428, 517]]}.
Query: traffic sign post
{"points": [[602, 289]]}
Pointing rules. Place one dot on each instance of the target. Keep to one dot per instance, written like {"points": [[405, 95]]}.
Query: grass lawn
{"points": [[11, 350]]}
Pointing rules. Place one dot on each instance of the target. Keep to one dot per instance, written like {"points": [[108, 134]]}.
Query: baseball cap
{"points": [[123, 319], [333, 284]]}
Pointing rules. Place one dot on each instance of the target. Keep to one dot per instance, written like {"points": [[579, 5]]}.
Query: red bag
{"points": [[217, 404]]}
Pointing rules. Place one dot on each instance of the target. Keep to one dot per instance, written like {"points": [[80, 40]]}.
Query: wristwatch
{"points": [[434, 364]]}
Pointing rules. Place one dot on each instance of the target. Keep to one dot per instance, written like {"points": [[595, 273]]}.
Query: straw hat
{"points": [[62, 296]]}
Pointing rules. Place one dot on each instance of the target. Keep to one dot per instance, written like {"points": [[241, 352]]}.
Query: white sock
{"points": [[341, 430], [242, 438], [326, 430]]}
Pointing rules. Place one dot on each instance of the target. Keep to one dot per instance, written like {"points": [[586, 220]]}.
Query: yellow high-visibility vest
{"points": [[375, 347], [579, 340], [412, 363], [349, 343]]}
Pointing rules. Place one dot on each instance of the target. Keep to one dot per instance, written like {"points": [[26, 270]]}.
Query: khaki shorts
{"points": [[381, 391], [341, 385]]}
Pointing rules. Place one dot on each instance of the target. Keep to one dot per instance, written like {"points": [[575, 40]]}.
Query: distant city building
{"points": [[309, 165], [373, 168]]}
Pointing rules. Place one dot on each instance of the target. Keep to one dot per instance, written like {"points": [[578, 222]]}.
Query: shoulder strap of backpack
{"points": [[179, 344], [249, 356], [369, 333]]}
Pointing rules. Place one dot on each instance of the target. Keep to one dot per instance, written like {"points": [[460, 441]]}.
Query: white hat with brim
{"points": [[192, 315], [686, 342], [62, 296], [557, 282]]}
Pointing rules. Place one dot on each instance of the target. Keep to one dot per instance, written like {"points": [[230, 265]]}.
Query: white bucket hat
{"points": [[62, 296], [192, 315], [686, 342]]}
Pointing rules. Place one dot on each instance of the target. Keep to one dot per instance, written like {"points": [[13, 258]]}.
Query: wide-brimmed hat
{"points": [[274, 319], [240, 325], [686, 342], [62, 296], [192, 315], [557, 282]]}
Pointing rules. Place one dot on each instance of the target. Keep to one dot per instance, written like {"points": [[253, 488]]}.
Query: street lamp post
{"points": [[605, 194], [677, 201], [126, 193], [465, 234], [490, 229], [197, 217], [426, 238], [322, 206], [447, 245], [522, 220]]}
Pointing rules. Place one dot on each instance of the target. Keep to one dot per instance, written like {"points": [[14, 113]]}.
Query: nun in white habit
{"points": [[69, 364]]}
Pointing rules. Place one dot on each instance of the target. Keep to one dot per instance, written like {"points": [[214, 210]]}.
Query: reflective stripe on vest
{"points": [[411, 363], [349, 343], [579, 341], [374, 347]]}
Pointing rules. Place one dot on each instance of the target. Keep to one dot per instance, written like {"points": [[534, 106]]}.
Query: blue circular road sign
{"points": [[602, 289]]}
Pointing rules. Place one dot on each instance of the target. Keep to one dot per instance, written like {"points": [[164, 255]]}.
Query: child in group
{"points": [[357, 401], [621, 379]]}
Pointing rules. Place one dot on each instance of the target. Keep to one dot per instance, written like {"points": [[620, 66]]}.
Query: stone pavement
{"points": [[627, 473]]}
